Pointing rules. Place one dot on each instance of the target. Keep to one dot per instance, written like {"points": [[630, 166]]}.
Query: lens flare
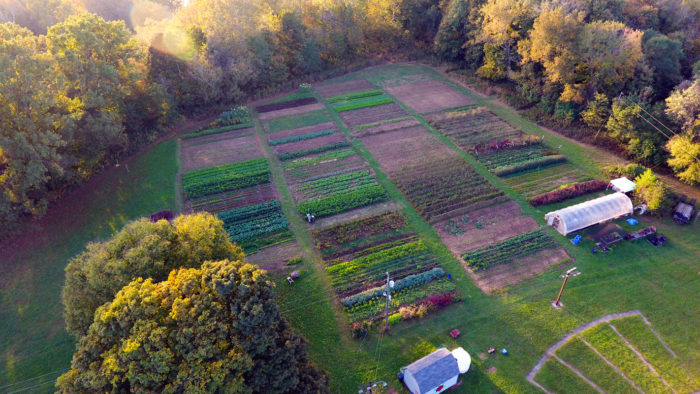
{"points": [[156, 25]]}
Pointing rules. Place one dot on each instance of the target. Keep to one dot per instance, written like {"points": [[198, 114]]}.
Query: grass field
{"points": [[661, 283], [33, 341]]}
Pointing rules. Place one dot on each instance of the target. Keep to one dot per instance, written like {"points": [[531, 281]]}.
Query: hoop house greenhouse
{"points": [[589, 213]]}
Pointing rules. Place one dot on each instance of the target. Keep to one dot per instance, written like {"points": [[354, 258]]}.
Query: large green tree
{"points": [[142, 249], [685, 158], [214, 329], [33, 117], [683, 106], [504, 23]]}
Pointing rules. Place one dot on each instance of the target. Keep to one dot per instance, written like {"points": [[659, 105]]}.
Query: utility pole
{"points": [[370, 385], [387, 293], [566, 276]]}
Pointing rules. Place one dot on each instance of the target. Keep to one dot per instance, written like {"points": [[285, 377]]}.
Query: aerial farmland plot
{"points": [[429, 96]]}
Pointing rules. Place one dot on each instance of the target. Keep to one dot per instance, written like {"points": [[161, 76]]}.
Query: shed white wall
{"points": [[410, 382], [451, 382]]}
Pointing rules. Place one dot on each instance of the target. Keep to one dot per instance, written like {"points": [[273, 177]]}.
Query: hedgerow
{"points": [[567, 193]]}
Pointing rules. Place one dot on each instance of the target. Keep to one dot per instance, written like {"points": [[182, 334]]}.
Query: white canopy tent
{"points": [[622, 185], [589, 213]]}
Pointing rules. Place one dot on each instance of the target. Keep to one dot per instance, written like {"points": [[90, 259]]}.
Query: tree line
{"points": [[84, 82]]}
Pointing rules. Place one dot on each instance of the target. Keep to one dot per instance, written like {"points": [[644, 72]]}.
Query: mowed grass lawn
{"points": [[33, 341]]}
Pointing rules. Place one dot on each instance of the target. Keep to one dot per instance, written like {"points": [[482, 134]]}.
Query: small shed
{"points": [[437, 371], [683, 212], [589, 213], [622, 185]]}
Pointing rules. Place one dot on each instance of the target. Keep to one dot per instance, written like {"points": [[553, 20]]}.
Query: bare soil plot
{"points": [[338, 88], [372, 114], [302, 130], [429, 96], [225, 149], [437, 181], [384, 127], [275, 258], [222, 202], [483, 227], [501, 276], [470, 127], [406, 79], [397, 149], [291, 111], [309, 144]]}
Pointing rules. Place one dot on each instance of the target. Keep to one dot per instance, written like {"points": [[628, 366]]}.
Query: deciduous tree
{"points": [[650, 189], [685, 158], [141, 250], [213, 329]]}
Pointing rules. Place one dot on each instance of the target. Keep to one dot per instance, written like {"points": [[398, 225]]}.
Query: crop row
{"points": [[567, 193], [234, 116], [473, 127], [302, 137], [406, 282], [335, 184], [310, 151], [529, 164], [254, 220], [285, 104], [341, 202], [215, 130], [340, 234], [400, 298], [226, 177], [504, 158], [322, 158], [342, 270], [354, 96], [503, 252], [435, 188]]}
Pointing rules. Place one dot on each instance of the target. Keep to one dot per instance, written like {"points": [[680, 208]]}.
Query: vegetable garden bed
{"points": [[357, 255], [469, 127], [542, 180], [504, 252], [225, 178], [285, 104], [256, 226]]}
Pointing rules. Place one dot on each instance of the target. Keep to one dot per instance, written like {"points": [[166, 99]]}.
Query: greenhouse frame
{"points": [[589, 213]]}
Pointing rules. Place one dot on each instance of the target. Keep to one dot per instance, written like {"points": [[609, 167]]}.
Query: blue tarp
{"points": [[632, 221]]}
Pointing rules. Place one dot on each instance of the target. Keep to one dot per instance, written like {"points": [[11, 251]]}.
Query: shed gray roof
{"points": [[434, 369]]}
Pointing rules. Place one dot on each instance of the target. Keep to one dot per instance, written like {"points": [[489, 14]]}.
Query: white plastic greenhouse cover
{"points": [[576, 217]]}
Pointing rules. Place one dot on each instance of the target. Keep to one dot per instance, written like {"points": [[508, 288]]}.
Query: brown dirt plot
{"points": [[382, 128], [275, 258], [395, 150], [226, 201], [499, 222], [372, 114], [338, 88], [520, 270], [290, 111], [226, 148], [429, 96]]}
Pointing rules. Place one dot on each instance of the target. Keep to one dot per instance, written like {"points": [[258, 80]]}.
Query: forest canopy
{"points": [[85, 82]]}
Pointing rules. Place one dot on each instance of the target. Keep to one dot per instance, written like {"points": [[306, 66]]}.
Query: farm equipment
{"points": [[643, 233]]}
